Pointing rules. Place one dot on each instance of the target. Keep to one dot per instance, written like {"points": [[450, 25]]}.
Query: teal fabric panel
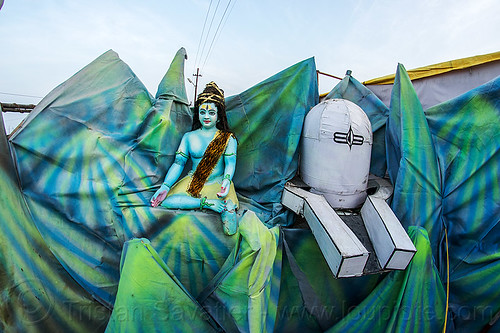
{"points": [[267, 120], [244, 293], [72, 172], [412, 162], [445, 168], [413, 300], [36, 293], [192, 244], [311, 299], [92, 153], [97, 147], [467, 135], [151, 299], [171, 86], [353, 90], [111, 142]]}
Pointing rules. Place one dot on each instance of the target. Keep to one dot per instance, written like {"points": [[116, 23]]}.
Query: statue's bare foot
{"points": [[217, 206]]}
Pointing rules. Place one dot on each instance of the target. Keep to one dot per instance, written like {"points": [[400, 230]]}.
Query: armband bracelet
{"points": [[227, 176], [164, 183], [181, 153]]}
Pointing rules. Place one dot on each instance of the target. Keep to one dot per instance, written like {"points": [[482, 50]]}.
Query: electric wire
{"points": [[229, 14], [205, 35], [447, 280], [201, 36], [215, 35], [21, 95], [219, 29], [209, 29]]}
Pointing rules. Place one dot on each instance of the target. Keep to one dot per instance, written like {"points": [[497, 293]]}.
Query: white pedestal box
{"points": [[345, 254], [392, 245]]}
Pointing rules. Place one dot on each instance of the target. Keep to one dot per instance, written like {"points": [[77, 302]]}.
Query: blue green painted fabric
{"points": [[413, 300], [37, 294], [151, 299], [412, 162], [243, 296], [81, 249], [267, 120], [90, 156], [445, 166], [466, 131], [310, 300]]}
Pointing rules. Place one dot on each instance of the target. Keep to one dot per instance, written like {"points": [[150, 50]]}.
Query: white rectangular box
{"points": [[293, 198], [345, 254], [392, 245]]}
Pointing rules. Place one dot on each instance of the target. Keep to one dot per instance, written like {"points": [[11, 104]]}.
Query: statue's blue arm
{"points": [[181, 157], [173, 173], [230, 159], [229, 167]]}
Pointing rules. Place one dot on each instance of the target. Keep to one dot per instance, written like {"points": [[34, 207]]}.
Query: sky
{"points": [[43, 43]]}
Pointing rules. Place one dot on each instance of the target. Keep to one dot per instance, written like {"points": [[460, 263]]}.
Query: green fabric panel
{"points": [[88, 180], [172, 86], [413, 300], [246, 288], [412, 162], [351, 89], [71, 173], [467, 136], [151, 299], [292, 314], [193, 245], [311, 298], [446, 168], [36, 293], [76, 188], [267, 120]]}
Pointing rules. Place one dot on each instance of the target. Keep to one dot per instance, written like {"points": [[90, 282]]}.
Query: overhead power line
{"points": [[202, 54], [208, 32], [201, 36], [215, 35], [12, 94]]}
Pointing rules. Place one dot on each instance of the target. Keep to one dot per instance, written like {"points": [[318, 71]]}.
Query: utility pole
{"points": [[196, 83]]}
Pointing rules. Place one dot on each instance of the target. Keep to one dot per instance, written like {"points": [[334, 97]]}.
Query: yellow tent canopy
{"points": [[443, 67]]}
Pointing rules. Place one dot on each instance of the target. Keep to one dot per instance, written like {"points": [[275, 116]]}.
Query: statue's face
{"points": [[208, 115]]}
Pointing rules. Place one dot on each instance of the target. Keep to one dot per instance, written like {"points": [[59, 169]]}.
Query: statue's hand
{"points": [[159, 196], [224, 189]]}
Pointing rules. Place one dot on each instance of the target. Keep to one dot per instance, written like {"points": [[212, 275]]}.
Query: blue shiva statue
{"points": [[211, 146]]}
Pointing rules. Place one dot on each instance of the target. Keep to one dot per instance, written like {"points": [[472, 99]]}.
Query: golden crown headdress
{"points": [[211, 94]]}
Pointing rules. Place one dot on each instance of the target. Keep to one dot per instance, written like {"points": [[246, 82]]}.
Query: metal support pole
{"points": [[196, 83]]}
